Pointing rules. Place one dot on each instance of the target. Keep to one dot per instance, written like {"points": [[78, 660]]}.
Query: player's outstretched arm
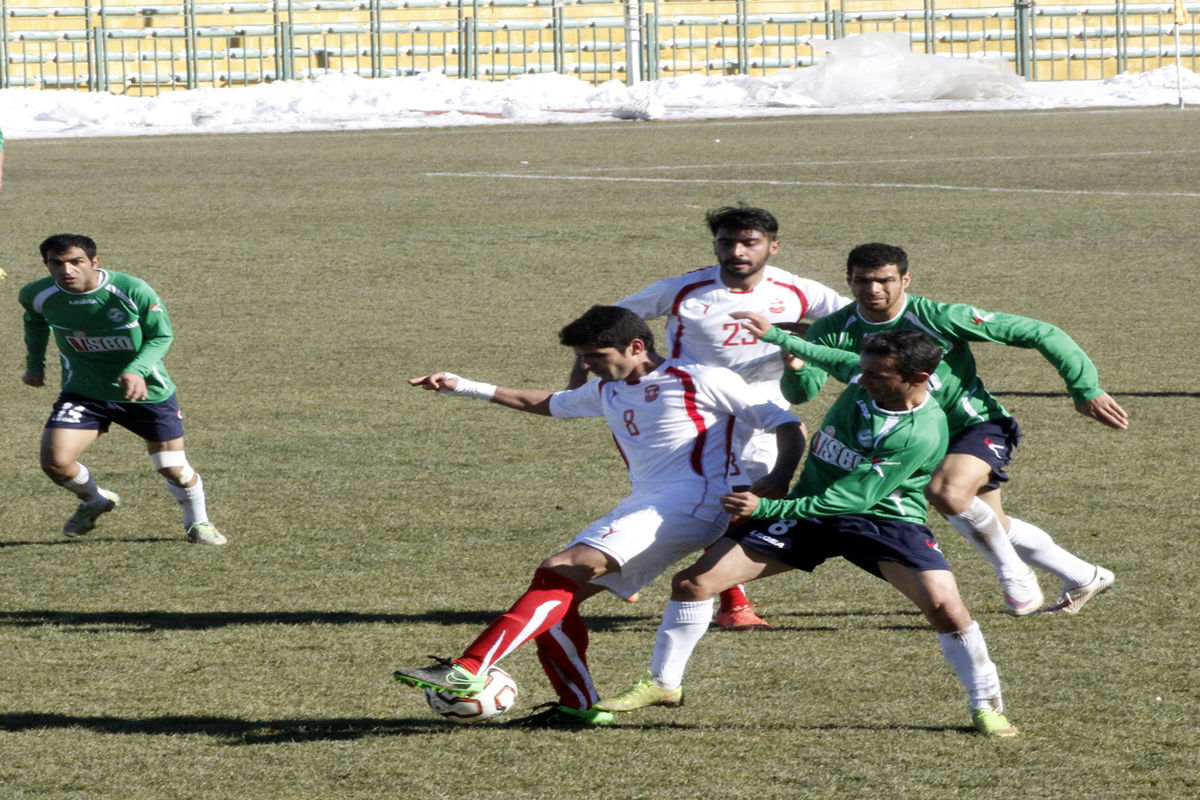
{"points": [[535, 401], [1106, 411]]}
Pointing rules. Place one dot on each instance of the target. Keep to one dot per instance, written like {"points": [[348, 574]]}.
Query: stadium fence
{"points": [[126, 47]]}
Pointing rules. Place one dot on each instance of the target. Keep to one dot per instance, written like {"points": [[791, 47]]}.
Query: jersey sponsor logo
{"points": [[82, 343], [831, 451], [978, 317], [768, 540], [777, 306], [90, 301], [877, 465], [651, 393]]}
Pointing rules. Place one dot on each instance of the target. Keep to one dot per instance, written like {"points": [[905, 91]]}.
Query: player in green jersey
{"points": [[112, 332], [983, 435], [860, 496]]}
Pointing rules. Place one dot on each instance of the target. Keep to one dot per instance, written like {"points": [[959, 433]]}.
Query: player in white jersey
{"points": [[698, 305], [673, 423]]}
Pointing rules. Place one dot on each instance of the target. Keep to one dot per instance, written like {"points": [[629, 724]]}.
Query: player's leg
{"points": [[935, 593], [1081, 580], [958, 489], [736, 612], [562, 651], [560, 581], [187, 488], [161, 426], [71, 429], [686, 619]]}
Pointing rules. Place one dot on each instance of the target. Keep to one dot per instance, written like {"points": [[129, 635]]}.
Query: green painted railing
{"points": [[105, 45]]}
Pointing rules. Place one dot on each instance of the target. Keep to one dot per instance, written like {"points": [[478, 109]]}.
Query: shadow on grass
{"points": [[233, 731], [151, 621], [94, 540], [284, 731]]}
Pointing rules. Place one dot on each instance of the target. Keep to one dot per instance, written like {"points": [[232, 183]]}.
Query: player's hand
{"points": [[1106, 411], [755, 323], [435, 382], [791, 362], [133, 385], [34, 379], [740, 504]]}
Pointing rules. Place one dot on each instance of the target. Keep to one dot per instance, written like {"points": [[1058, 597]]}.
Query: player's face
{"points": [[742, 255], [73, 270], [608, 363], [885, 385], [879, 290]]}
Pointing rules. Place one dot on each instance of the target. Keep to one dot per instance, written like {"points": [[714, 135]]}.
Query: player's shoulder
{"points": [[35, 287], [781, 275], [706, 373]]}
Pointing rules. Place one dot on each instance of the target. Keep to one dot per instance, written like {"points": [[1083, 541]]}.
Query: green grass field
{"points": [[370, 524]]}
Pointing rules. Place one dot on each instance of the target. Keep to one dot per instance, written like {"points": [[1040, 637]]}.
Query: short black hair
{"points": [[874, 255], [742, 218], [62, 242], [607, 326], [914, 351]]}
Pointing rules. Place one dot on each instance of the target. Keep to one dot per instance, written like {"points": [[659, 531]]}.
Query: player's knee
{"points": [[688, 587], [173, 465], [948, 497], [56, 470], [948, 614]]}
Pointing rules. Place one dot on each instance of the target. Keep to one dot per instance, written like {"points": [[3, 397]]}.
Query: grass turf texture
{"points": [[308, 275]]}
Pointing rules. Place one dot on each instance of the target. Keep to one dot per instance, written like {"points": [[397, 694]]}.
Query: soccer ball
{"points": [[497, 696]]}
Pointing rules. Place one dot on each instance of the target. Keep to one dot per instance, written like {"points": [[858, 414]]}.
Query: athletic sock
{"points": [[967, 654], [543, 606], [683, 625], [191, 500], [562, 651], [734, 597], [83, 485], [1035, 546], [982, 528]]}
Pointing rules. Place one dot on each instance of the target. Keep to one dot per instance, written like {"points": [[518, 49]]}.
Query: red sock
{"points": [[563, 653], [543, 605], [734, 597]]}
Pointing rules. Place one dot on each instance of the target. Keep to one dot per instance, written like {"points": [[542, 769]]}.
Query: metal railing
{"points": [[119, 46]]}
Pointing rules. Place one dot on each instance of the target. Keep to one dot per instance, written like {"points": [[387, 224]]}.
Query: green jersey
{"points": [[956, 384], [866, 461], [120, 326]]}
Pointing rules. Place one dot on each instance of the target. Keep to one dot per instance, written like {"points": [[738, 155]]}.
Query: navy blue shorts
{"points": [[154, 422], [993, 442], [863, 541]]}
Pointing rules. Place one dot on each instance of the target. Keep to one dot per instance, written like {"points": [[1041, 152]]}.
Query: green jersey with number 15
{"points": [[120, 326]]}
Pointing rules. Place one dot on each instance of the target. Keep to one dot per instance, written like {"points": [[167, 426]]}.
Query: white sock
{"points": [[191, 500], [982, 528], [1035, 546], [967, 654], [83, 485], [683, 625]]}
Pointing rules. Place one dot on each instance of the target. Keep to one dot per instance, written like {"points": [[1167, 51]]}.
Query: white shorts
{"points": [[645, 534]]}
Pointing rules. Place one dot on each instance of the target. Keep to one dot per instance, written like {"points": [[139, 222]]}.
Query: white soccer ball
{"points": [[497, 696]]}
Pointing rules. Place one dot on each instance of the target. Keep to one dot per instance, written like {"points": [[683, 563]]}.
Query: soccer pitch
{"points": [[370, 524]]}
